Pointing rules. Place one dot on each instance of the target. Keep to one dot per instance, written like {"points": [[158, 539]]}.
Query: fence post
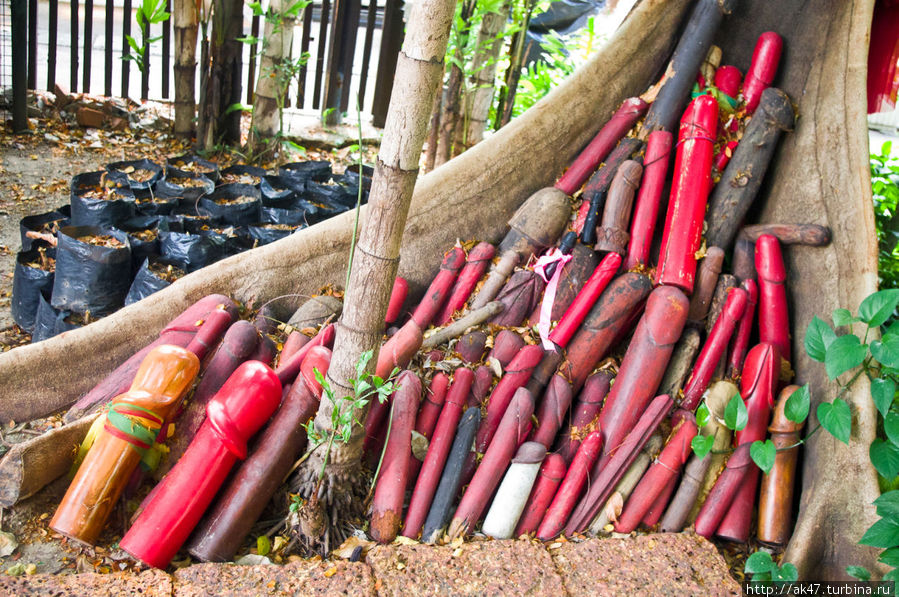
{"points": [[391, 42], [19, 14]]}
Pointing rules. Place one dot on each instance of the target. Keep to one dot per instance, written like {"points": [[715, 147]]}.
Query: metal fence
{"points": [[352, 49]]}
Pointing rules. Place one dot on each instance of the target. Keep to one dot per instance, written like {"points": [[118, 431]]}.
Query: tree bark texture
{"points": [[222, 80], [185, 27], [479, 92], [271, 84], [819, 175], [449, 116], [377, 254]]}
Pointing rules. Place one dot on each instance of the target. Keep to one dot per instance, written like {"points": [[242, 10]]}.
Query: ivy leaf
{"points": [[796, 408], [763, 454], [818, 337], [859, 572], [882, 391], [702, 444], [885, 458], [877, 307], [891, 427], [890, 557], [888, 504], [786, 573], [702, 416], [735, 415], [836, 418], [884, 534], [759, 562], [843, 354], [886, 350], [842, 317]]}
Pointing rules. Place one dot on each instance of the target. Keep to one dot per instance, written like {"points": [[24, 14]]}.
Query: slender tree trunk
{"points": [[479, 94], [273, 78], [449, 118], [376, 256], [185, 25], [434, 130], [513, 73], [222, 79]]}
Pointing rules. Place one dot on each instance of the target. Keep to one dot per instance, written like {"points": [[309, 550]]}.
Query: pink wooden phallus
{"points": [[763, 69], [478, 261], [584, 413], [387, 504], [570, 489], [660, 474], [728, 79], [428, 412], [576, 313], [606, 139], [239, 410], [646, 210], [552, 471], [689, 194], [741, 339], [397, 298], [512, 431], [438, 451], [643, 365], [774, 320], [437, 293]]}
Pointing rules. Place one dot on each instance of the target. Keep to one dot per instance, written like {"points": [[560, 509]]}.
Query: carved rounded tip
{"points": [[530, 453]]}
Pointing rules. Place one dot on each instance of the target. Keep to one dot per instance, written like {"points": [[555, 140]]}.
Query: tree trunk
{"points": [[433, 131], [274, 76], [819, 175], [449, 117], [222, 79], [513, 73], [377, 253], [479, 92], [185, 26]]}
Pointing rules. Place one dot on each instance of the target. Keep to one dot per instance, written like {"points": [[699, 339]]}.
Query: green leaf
{"points": [[843, 354], [859, 572], [877, 307], [237, 106], [887, 504], [796, 408], [818, 336], [786, 573], [702, 445], [886, 350], [884, 534], [891, 427], [842, 317], [735, 415], [263, 545], [836, 418], [763, 454], [882, 391], [248, 39], [890, 557], [132, 43], [885, 458], [759, 562], [892, 575], [702, 416]]}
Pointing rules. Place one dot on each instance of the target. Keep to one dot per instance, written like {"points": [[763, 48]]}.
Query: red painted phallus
{"points": [[234, 415]]}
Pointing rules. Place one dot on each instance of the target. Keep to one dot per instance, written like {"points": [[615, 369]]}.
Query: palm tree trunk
{"points": [[185, 25]]}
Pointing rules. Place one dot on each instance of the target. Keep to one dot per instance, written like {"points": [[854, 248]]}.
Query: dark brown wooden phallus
{"points": [[597, 187], [471, 346], [518, 297], [584, 414], [741, 180], [506, 345], [574, 275], [706, 280], [776, 495], [612, 235]]}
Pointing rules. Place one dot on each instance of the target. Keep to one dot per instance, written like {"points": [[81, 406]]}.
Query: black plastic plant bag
{"points": [[27, 286], [89, 278], [89, 210], [143, 237], [292, 217], [135, 172], [191, 163], [146, 282], [157, 205], [182, 243], [238, 174], [319, 171], [178, 183], [330, 195], [277, 191], [48, 223], [221, 207], [264, 234], [49, 322]]}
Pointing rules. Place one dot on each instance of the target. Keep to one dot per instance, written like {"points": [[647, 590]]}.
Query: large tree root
{"points": [[820, 175]]}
